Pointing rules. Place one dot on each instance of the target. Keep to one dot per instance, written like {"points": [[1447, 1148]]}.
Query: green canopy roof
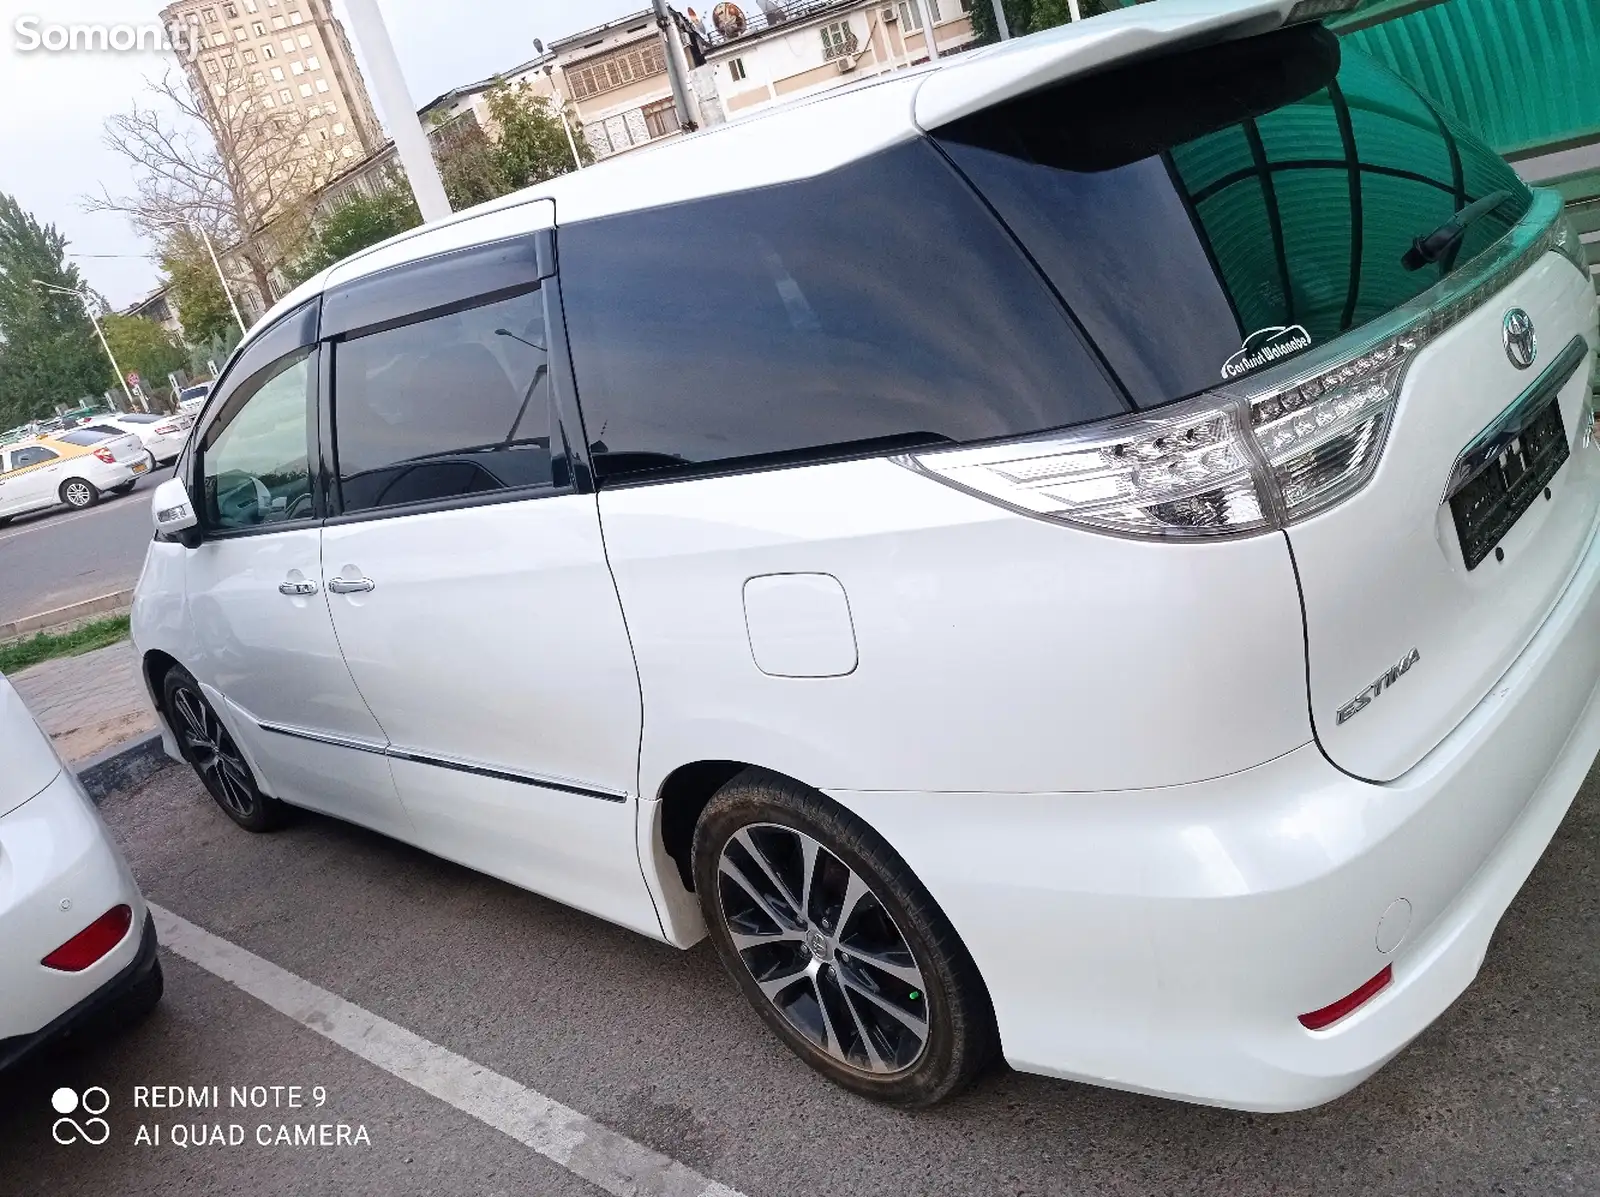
{"points": [[1524, 73]]}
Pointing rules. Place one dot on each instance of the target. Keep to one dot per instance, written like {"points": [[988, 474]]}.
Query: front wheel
{"points": [[210, 750], [840, 949], [78, 493]]}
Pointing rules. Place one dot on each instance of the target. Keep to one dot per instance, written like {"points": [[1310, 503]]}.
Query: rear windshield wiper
{"points": [[1442, 240]]}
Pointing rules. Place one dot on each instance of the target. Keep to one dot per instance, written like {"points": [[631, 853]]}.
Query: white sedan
{"points": [[162, 436], [77, 943]]}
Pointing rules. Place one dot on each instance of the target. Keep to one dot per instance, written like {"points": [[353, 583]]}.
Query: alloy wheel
{"points": [[823, 949], [213, 753], [78, 494]]}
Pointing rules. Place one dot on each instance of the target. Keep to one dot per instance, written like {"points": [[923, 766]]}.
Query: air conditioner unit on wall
{"points": [[846, 65], [890, 15]]}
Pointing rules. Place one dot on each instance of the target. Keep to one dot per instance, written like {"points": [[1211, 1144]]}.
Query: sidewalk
{"points": [[88, 703]]}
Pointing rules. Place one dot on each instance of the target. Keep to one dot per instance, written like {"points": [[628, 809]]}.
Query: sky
{"points": [[53, 106]]}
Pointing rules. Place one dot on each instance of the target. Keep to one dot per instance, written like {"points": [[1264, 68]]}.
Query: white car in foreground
{"points": [[162, 436], [77, 944], [1087, 551]]}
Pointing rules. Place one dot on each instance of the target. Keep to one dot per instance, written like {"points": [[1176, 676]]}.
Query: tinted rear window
{"points": [[1186, 203], [452, 406], [86, 436], [875, 306]]}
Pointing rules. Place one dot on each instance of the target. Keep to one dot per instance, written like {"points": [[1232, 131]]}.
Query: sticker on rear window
{"points": [[1265, 346]]}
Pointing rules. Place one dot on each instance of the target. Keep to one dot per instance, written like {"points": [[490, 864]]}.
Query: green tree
{"points": [[470, 170], [217, 349], [48, 350], [145, 348], [194, 287], [530, 146], [360, 221]]}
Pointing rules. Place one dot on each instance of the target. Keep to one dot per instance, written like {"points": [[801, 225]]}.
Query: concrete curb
{"points": [[122, 767], [106, 604]]}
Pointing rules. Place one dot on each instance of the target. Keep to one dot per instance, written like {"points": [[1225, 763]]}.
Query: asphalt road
{"points": [[61, 556], [1501, 1096]]}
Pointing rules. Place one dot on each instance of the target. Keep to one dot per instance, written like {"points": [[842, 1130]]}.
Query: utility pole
{"points": [[925, 7], [410, 142], [1000, 22], [674, 49], [1072, 7], [104, 344]]}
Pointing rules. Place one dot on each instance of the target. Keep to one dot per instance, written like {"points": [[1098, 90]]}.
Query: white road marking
{"points": [[576, 1142]]}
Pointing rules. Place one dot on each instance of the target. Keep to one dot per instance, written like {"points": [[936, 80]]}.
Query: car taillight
{"points": [[106, 456], [92, 943], [1255, 454], [167, 429]]}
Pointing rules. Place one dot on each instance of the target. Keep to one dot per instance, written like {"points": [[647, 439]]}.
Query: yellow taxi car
{"points": [[74, 466]]}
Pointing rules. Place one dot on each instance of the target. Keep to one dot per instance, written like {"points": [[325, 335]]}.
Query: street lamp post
{"points": [[104, 344], [1000, 22], [205, 239], [410, 142], [561, 106]]}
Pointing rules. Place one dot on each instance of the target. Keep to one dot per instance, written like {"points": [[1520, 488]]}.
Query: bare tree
{"points": [[219, 152]]}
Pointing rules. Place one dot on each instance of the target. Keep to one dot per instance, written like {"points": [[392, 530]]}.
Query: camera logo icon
{"points": [[93, 1130]]}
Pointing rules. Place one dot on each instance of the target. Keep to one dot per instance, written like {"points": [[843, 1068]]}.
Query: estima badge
{"points": [[1386, 679], [1265, 346]]}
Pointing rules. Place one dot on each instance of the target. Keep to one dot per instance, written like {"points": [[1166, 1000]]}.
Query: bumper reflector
{"points": [[1331, 1014], [92, 943]]}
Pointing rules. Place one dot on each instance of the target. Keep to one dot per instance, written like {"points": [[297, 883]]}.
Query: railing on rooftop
{"points": [[759, 18]]}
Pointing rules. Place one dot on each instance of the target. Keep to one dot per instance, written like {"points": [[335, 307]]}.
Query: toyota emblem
{"points": [[1516, 330]]}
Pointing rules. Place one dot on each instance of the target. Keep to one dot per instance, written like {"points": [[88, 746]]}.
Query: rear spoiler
{"points": [[992, 76]]}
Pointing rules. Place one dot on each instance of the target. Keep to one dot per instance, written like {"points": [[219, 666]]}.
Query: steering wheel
{"points": [[241, 505]]}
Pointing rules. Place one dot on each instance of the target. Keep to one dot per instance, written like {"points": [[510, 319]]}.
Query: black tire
{"points": [[211, 752], [959, 1038], [125, 487], [79, 493]]}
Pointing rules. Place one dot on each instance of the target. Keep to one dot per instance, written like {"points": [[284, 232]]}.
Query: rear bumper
{"points": [[93, 1011], [1165, 940], [55, 852]]}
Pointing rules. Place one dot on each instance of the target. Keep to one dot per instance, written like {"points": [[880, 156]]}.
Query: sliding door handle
{"points": [[350, 585]]}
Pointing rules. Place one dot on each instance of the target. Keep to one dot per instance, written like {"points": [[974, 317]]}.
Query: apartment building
{"points": [[282, 94], [616, 76], [785, 49]]}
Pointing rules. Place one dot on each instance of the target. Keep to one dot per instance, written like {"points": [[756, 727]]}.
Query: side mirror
{"points": [[174, 514]]}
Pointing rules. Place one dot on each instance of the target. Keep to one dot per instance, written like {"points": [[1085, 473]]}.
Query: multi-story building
{"points": [[615, 75], [785, 49], [282, 94]]}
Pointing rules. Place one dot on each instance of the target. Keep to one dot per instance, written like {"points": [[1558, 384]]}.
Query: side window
{"points": [[254, 467], [31, 456], [834, 314], [447, 407]]}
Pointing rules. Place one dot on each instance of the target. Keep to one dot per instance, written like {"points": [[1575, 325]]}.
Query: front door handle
{"points": [[297, 589], [350, 585]]}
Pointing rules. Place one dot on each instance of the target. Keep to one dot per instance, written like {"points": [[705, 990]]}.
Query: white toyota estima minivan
{"points": [[1086, 553]]}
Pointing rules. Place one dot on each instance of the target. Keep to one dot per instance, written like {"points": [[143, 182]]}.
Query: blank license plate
{"points": [[140, 467], [1487, 506]]}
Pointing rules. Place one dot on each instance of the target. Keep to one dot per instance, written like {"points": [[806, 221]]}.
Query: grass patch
{"points": [[45, 646]]}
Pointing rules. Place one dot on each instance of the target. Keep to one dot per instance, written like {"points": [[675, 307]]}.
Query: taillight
{"points": [[92, 943], [1316, 1020], [106, 456], [1257, 453], [167, 429]]}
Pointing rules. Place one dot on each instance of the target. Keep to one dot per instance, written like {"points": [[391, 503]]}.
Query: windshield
{"points": [[1212, 212]]}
